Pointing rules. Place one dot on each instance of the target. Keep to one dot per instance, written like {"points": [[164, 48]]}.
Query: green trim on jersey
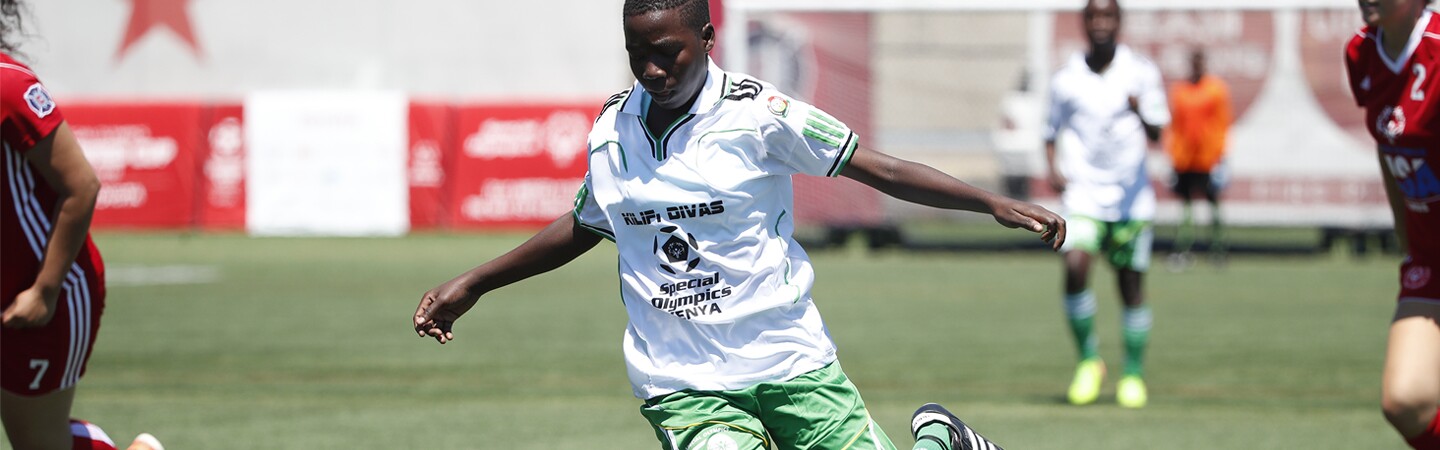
{"points": [[657, 146], [600, 232], [736, 130], [821, 127], [624, 162], [579, 205], [777, 223], [845, 155]]}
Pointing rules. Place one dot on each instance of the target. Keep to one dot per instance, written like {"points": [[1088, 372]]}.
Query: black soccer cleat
{"points": [[962, 437]]}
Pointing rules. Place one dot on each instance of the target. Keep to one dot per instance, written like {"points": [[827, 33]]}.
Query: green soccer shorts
{"points": [[820, 409], [1126, 243]]}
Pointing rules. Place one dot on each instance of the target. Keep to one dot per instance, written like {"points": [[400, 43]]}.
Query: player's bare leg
{"points": [[41, 422], [1411, 383]]}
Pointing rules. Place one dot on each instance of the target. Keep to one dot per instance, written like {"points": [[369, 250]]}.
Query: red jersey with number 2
{"points": [[1401, 97]]}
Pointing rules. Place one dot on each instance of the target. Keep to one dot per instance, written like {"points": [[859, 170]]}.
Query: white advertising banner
{"points": [[327, 163]]}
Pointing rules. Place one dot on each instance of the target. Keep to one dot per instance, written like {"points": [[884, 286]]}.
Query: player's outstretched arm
{"points": [[922, 184], [559, 243]]}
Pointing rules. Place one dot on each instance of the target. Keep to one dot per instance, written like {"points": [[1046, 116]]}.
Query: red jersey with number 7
{"points": [[40, 360], [1401, 98]]}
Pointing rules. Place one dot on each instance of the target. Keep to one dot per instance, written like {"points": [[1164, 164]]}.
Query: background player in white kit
{"points": [[1106, 105], [690, 177]]}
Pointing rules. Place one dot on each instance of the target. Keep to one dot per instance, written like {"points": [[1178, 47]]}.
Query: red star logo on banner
{"points": [[148, 14]]}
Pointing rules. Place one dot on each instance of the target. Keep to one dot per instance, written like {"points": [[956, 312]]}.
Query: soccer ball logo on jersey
{"points": [[679, 252], [39, 100], [1416, 278], [1390, 123]]}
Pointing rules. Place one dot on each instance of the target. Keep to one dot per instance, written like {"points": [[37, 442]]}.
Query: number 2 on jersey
{"points": [[1416, 93]]}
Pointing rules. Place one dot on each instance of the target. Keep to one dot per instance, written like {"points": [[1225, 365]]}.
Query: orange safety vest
{"points": [[1199, 120]]}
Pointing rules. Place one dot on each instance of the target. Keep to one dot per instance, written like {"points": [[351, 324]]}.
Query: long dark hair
{"points": [[12, 18]]}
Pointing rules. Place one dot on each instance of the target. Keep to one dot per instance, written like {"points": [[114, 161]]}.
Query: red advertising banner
{"points": [[222, 169], [517, 165], [432, 145], [144, 155]]}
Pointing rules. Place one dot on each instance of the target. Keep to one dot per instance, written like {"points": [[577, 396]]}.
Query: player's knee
{"points": [[1402, 405]]}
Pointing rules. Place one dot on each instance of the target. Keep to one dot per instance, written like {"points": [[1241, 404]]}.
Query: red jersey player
{"points": [[52, 290], [1393, 63]]}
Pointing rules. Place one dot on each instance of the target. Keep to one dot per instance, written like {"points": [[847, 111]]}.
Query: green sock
{"points": [[939, 431], [1185, 236], [1080, 310], [1136, 328]]}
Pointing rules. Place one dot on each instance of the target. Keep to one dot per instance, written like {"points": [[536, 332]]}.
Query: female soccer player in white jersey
{"points": [[1393, 63], [690, 177]]}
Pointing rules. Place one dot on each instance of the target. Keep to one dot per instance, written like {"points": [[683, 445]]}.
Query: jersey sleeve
{"points": [[804, 139], [1058, 111], [29, 113], [588, 213], [1154, 107], [1355, 69]]}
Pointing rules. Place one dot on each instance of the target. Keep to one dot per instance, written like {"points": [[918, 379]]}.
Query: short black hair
{"points": [[695, 13]]}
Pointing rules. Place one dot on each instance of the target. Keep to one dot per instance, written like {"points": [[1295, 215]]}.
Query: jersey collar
{"points": [[1122, 52], [710, 94], [1416, 35]]}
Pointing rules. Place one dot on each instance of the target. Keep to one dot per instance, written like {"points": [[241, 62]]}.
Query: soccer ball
{"points": [[677, 252]]}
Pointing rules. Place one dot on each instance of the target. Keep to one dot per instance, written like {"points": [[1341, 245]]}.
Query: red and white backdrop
{"points": [[516, 165], [1298, 151], [145, 156], [468, 166]]}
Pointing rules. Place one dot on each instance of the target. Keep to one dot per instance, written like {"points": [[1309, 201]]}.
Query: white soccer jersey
{"points": [[1102, 144], [717, 290]]}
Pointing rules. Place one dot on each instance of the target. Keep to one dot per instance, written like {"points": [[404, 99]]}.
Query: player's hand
{"points": [[32, 308], [440, 307], [1018, 214]]}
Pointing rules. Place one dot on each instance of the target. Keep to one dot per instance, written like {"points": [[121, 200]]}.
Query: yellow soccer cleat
{"points": [[1085, 388], [1130, 393]]}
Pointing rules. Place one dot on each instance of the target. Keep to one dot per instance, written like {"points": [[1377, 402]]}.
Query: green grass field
{"points": [[306, 343]]}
